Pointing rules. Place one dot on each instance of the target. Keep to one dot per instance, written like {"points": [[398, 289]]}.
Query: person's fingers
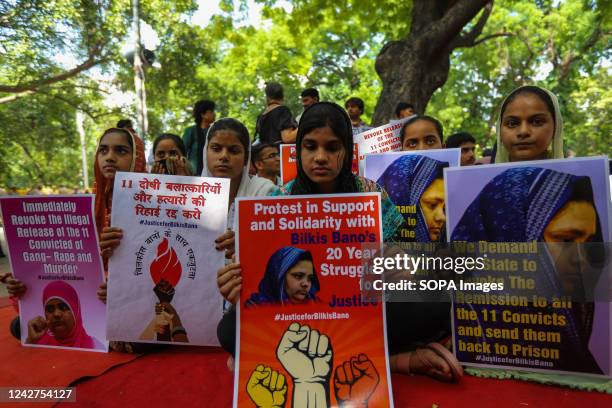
{"points": [[229, 286], [280, 382], [109, 246], [230, 253], [15, 287], [40, 324], [313, 343], [428, 362], [366, 366], [107, 236], [438, 363], [227, 243], [346, 366], [259, 374], [111, 229], [235, 294], [340, 375], [295, 334], [227, 268], [267, 379], [226, 274], [354, 370], [227, 234], [323, 345], [305, 330]]}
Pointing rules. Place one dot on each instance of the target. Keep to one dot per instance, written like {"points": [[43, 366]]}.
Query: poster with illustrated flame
{"points": [[289, 162], [305, 335], [162, 278]]}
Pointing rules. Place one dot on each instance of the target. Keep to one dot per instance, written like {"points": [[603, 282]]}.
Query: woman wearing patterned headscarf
{"points": [[415, 180], [529, 204], [290, 277]]}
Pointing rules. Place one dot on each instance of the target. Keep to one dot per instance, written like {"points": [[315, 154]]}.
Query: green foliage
{"points": [[563, 45], [559, 47]]}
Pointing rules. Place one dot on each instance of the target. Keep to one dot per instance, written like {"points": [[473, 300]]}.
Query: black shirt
{"points": [[271, 124]]}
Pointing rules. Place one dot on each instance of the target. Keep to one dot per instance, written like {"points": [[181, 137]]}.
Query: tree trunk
{"points": [[412, 68]]}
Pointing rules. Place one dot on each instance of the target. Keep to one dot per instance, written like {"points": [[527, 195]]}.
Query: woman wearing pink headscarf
{"points": [[63, 322]]}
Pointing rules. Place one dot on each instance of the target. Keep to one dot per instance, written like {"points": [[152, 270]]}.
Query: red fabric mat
{"points": [[30, 366], [198, 377]]}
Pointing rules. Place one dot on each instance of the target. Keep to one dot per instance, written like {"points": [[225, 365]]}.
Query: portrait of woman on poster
{"points": [[528, 204], [290, 278], [62, 324], [416, 180]]}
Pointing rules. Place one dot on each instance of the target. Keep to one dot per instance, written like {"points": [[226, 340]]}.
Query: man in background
{"points": [[266, 159], [275, 124], [194, 137], [355, 108], [404, 110], [467, 143], [310, 96]]}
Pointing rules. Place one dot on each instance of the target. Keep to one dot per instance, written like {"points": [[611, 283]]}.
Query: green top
{"points": [[391, 218]]}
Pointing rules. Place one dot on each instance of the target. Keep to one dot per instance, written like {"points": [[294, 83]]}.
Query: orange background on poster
{"points": [[260, 333]]}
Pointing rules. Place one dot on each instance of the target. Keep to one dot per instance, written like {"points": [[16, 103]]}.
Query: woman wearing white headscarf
{"points": [[227, 154], [530, 126]]}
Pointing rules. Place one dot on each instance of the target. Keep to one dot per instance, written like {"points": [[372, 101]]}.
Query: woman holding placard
{"points": [[118, 150], [227, 154], [324, 152]]}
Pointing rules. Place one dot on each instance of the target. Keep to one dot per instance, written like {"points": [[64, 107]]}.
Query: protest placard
{"points": [[382, 139], [414, 182], [288, 163], [162, 277], [305, 334], [53, 249], [541, 229]]}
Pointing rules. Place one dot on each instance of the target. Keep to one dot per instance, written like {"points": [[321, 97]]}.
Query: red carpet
{"points": [[198, 377]]}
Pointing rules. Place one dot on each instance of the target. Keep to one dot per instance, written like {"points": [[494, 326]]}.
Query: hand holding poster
{"points": [[162, 278], [414, 182], [53, 248], [289, 162], [306, 336], [541, 228]]}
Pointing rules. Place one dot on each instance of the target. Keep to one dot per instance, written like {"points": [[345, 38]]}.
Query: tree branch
{"points": [[13, 97], [34, 162], [489, 37], [469, 39], [443, 31], [566, 64], [34, 85]]}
